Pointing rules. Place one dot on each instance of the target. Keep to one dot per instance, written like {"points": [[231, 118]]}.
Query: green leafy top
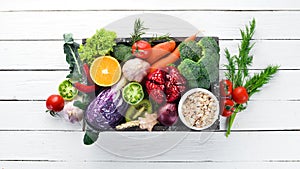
{"points": [[254, 84], [100, 44], [243, 60], [238, 73]]}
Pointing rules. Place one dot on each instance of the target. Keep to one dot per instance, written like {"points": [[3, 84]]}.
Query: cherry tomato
{"points": [[225, 88], [55, 103], [226, 113], [240, 95], [141, 49], [227, 107]]}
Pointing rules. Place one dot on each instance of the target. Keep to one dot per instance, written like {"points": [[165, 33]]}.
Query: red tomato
{"points": [[55, 103], [226, 113], [141, 49], [240, 95], [225, 88], [227, 107]]}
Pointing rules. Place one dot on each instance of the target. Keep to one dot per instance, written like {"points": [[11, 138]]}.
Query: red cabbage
{"points": [[106, 111]]}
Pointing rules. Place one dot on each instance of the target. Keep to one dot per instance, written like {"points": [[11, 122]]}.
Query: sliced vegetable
{"points": [[105, 71], [138, 110], [240, 95], [160, 50], [66, 90], [85, 88], [133, 93], [54, 103]]}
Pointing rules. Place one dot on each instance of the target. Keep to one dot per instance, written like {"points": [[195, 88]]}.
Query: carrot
{"points": [[173, 57], [160, 50]]}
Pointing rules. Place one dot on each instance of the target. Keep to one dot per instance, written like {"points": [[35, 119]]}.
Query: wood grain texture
{"points": [[30, 115], [149, 165], [84, 23], [65, 146], [266, 135], [152, 5], [20, 55], [38, 85]]}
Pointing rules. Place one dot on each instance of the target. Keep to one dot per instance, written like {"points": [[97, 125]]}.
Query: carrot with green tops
{"points": [[173, 57], [160, 50]]}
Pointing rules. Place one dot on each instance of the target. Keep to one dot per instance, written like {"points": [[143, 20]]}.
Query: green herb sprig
{"points": [[138, 30], [238, 72]]}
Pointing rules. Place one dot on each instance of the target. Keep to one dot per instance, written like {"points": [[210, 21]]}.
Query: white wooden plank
{"points": [[27, 115], [151, 5], [254, 118], [40, 84], [260, 115], [30, 85], [32, 55], [267, 115], [149, 165], [270, 25], [67, 146]]}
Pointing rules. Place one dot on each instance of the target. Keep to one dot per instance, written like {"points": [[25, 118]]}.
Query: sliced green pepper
{"points": [[133, 93], [66, 90]]}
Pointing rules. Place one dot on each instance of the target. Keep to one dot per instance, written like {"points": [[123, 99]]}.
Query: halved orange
{"points": [[105, 71]]}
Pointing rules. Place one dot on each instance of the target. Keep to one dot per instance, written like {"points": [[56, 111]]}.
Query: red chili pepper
{"points": [[85, 88], [87, 72]]}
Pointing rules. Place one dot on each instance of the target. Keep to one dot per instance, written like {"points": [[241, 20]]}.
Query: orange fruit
{"points": [[105, 71]]}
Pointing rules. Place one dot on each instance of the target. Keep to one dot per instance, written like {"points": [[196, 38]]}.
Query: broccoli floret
{"points": [[122, 52], [211, 57], [189, 69], [190, 50], [195, 74], [205, 70]]}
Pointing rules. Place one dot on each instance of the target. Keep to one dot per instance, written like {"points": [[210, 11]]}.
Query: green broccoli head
{"points": [[189, 69], [203, 69], [122, 52], [209, 43], [211, 58], [190, 50], [195, 74]]}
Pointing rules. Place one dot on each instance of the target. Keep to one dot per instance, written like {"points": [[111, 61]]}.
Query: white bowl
{"points": [[184, 97]]}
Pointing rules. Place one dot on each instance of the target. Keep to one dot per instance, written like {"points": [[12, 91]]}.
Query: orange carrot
{"points": [[160, 50], [173, 57]]}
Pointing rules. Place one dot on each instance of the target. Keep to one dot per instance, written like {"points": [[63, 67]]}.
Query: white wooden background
{"points": [[266, 135]]}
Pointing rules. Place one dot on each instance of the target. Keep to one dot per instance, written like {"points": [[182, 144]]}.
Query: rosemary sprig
{"points": [[238, 73], [138, 30]]}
